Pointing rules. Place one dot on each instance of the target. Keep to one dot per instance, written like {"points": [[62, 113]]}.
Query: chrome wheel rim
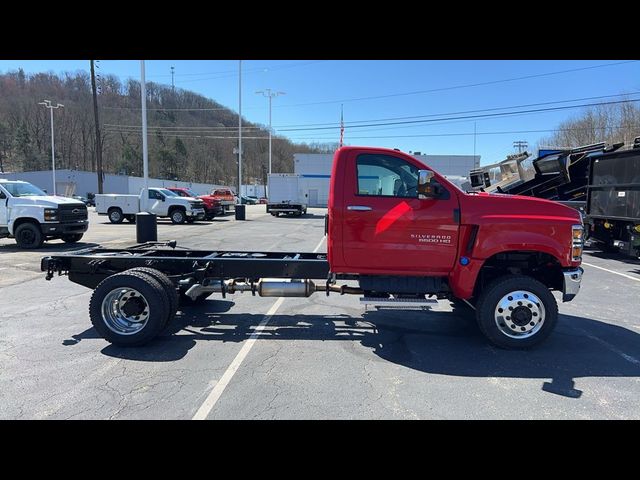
{"points": [[125, 311], [519, 314], [115, 215], [177, 217]]}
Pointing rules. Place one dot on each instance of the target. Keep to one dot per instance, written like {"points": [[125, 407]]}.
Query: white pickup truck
{"points": [[31, 216], [161, 202]]}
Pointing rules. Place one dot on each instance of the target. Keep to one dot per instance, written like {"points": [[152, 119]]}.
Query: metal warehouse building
{"points": [[314, 170]]}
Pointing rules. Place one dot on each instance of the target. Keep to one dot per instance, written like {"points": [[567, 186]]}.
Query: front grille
{"points": [[197, 204], [72, 213]]}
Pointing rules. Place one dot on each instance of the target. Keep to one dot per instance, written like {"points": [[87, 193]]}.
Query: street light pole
{"points": [[270, 95], [47, 104]]}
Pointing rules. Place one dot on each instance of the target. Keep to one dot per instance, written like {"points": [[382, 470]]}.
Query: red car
{"points": [[212, 206]]}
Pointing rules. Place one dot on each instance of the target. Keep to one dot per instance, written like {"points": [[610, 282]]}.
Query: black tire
{"points": [[178, 216], [152, 292], [115, 215], [72, 237], [540, 318], [186, 301], [130, 218], [169, 288], [28, 235]]}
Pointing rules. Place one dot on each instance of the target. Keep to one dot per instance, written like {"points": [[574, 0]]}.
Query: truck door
{"points": [[157, 203], [4, 214], [387, 228]]}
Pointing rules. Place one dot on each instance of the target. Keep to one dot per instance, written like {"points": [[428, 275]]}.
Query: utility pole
{"points": [[47, 104], [270, 95], [239, 130], [520, 145], [145, 151], [173, 86], [97, 122]]}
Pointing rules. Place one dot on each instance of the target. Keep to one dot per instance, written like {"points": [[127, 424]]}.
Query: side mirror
{"points": [[427, 187], [162, 197], [2, 196]]}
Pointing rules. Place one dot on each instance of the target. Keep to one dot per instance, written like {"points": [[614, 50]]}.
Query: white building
{"points": [[314, 170]]}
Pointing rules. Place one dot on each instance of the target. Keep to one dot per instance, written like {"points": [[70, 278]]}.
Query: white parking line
{"points": [[315, 250], [218, 390], [607, 345], [612, 271]]}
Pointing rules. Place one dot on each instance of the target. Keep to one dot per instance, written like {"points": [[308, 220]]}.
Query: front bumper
{"points": [[196, 212], [49, 229], [571, 283]]}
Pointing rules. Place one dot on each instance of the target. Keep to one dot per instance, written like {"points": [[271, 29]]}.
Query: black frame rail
{"points": [[89, 267]]}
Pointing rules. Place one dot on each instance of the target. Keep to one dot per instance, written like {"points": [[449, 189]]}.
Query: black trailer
{"points": [[613, 200]]}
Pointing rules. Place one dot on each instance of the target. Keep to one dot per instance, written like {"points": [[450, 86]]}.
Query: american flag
{"points": [[341, 126]]}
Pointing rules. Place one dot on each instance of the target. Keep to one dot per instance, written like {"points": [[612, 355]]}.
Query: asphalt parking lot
{"points": [[313, 358]]}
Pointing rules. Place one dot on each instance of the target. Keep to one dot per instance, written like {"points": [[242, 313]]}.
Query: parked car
{"points": [[160, 201], [226, 197], [247, 200], [212, 206], [84, 200], [263, 200], [31, 216]]}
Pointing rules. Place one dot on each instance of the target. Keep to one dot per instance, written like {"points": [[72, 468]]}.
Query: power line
{"points": [[464, 111], [466, 117], [442, 89], [510, 132], [235, 72], [462, 134]]}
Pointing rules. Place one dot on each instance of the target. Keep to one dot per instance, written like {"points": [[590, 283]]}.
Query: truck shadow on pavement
{"points": [[440, 343], [50, 247]]}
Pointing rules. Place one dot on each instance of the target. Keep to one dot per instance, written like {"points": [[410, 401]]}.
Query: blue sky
{"points": [[315, 90]]}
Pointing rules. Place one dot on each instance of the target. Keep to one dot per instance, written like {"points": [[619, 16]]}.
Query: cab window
{"points": [[386, 176], [155, 195]]}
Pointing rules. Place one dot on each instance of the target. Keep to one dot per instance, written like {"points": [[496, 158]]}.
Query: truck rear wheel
{"points": [[129, 309], [115, 215], [178, 216], [29, 235], [516, 312], [72, 237], [169, 288]]}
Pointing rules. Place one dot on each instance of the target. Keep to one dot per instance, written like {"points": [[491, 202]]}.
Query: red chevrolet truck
{"points": [[226, 197], [404, 234], [212, 206]]}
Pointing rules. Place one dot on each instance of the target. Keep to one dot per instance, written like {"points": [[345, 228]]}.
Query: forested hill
{"points": [[191, 137]]}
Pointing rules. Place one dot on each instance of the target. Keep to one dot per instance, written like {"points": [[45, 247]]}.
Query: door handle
{"points": [[358, 208]]}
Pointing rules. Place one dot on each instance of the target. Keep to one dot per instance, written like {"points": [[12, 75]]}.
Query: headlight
{"points": [[577, 242], [50, 214]]}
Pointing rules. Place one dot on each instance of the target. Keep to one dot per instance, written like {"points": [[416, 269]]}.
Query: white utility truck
{"points": [[285, 196], [161, 202], [31, 216]]}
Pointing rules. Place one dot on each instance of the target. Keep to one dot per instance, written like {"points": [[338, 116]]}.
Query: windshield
{"points": [[23, 190], [188, 193], [168, 193]]}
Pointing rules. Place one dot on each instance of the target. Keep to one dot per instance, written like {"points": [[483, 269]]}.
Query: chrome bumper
{"points": [[571, 283]]}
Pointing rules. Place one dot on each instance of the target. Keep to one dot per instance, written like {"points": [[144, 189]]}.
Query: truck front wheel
{"points": [[516, 312], [115, 215], [178, 216], [29, 235], [72, 237]]}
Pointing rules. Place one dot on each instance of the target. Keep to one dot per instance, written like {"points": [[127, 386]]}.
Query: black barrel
{"points": [[241, 213], [146, 227]]}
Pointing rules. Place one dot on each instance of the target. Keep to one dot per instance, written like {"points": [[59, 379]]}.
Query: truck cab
{"points": [[31, 216]]}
